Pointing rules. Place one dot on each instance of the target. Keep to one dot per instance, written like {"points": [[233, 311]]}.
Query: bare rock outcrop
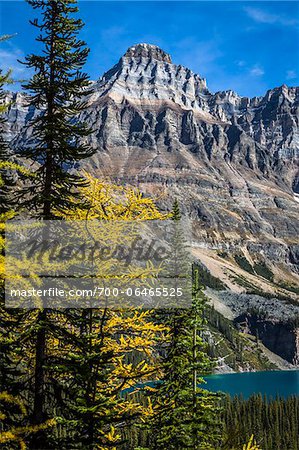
{"points": [[231, 161]]}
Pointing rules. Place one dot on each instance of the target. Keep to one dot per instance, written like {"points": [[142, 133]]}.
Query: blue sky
{"points": [[245, 46]]}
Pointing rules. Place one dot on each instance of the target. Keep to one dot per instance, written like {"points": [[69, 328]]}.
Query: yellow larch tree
{"points": [[94, 355]]}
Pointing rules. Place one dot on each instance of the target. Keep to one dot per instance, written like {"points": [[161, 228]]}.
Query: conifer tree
{"points": [[179, 265], [10, 370], [56, 90], [5, 177], [13, 411], [176, 213], [6, 368], [101, 363], [91, 353], [8, 166], [274, 422], [183, 415]]}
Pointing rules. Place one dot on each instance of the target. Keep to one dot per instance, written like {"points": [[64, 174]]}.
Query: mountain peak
{"points": [[147, 51]]}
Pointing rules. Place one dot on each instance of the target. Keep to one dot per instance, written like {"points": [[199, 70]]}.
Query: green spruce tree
{"points": [[10, 357], [176, 213], [7, 179], [56, 90], [186, 415]]}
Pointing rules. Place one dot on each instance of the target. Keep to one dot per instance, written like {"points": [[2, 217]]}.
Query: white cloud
{"points": [[257, 71], [241, 63], [261, 16], [9, 60], [291, 74], [9, 56], [200, 56]]}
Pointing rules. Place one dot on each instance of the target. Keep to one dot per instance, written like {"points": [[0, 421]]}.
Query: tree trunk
{"points": [[39, 440], [39, 416]]}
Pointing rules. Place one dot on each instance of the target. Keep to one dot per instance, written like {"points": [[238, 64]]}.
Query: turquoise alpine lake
{"points": [[282, 383]]}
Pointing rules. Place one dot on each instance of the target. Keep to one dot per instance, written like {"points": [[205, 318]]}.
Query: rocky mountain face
{"points": [[281, 338], [231, 161]]}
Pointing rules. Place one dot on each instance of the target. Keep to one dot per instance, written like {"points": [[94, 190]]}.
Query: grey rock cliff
{"points": [[281, 338], [231, 161]]}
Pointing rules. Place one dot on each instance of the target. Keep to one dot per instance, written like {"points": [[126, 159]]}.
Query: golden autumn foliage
{"points": [[3, 218], [129, 336], [130, 331], [251, 445], [9, 165], [109, 201], [17, 435], [135, 331], [111, 437]]}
